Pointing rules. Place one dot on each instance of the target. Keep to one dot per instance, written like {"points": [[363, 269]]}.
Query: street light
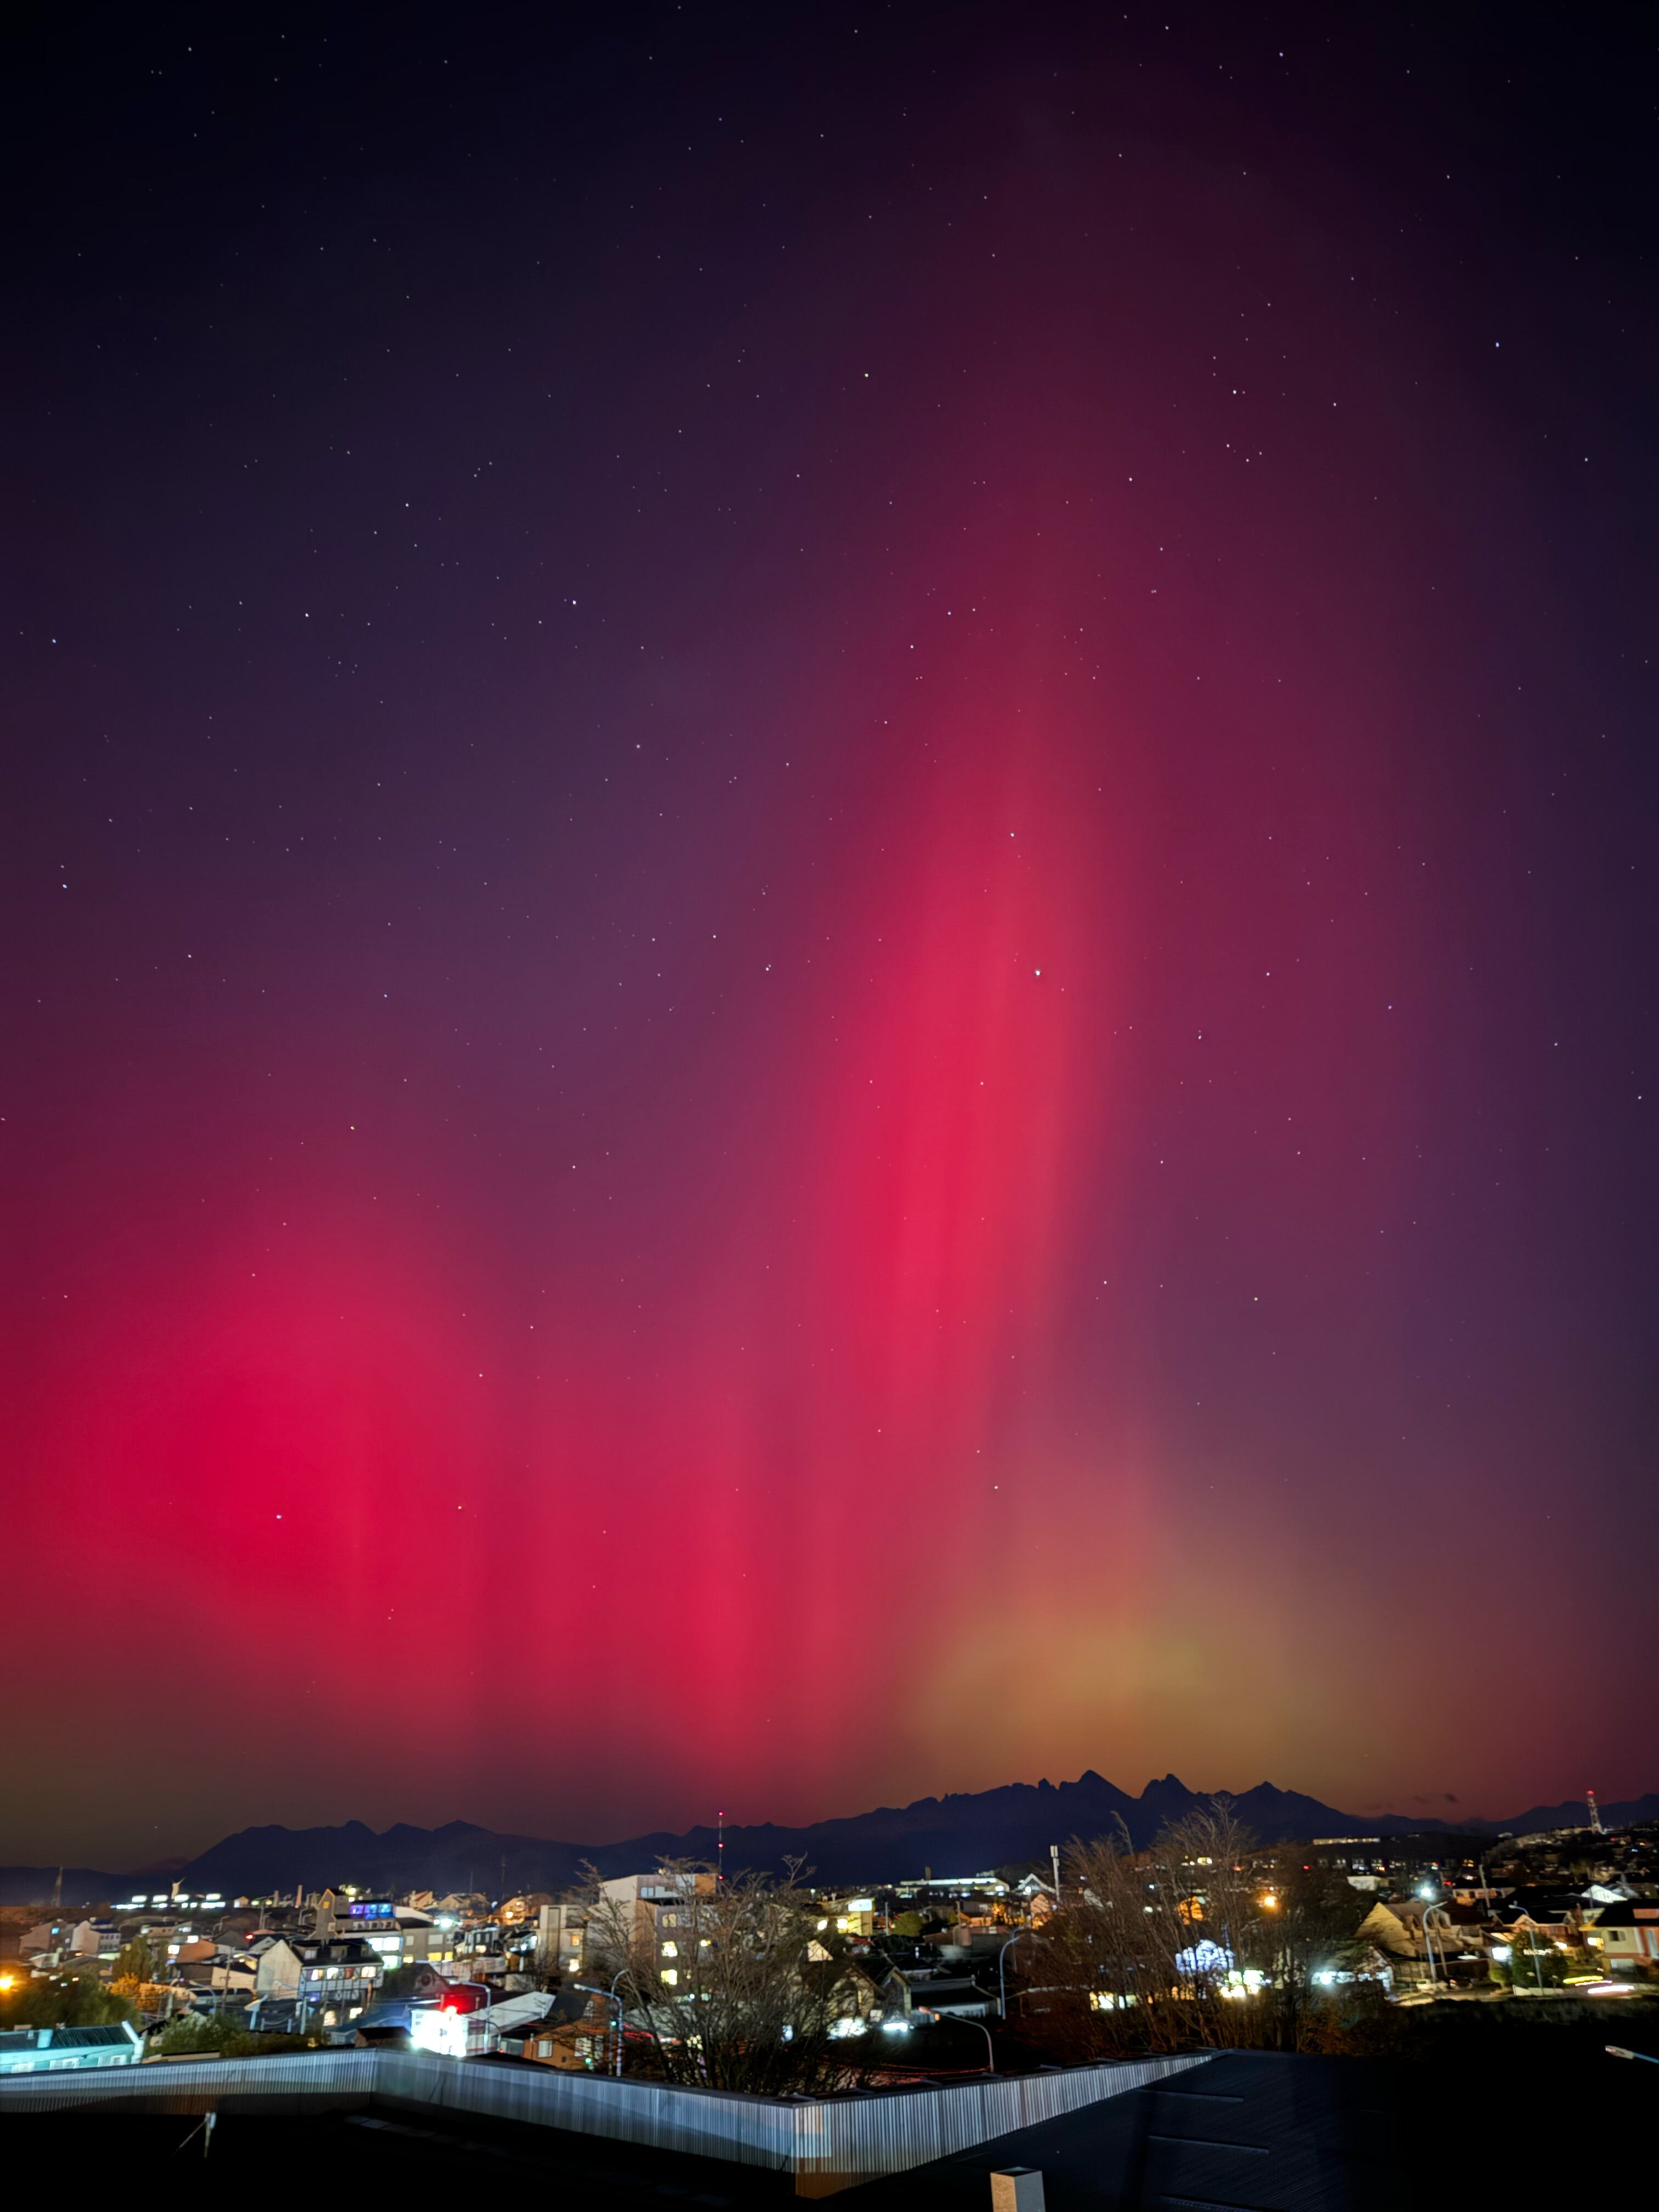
{"points": [[927, 2013], [1617, 2051], [1429, 1911], [1002, 1977]]}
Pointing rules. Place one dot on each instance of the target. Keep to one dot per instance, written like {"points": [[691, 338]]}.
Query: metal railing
{"points": [[827, 2142]]}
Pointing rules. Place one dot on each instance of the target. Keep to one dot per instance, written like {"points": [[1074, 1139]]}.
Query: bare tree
{"points": [[1204, 1942], [1148, 1950], [732, 1981], [1305, 1926]]}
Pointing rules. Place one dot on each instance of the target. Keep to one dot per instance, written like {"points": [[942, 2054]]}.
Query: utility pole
{"points": [[1054, 1854]]}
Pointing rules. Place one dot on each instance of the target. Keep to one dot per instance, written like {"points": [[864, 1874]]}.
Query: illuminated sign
{"points": [[444, 2032], [380, 1912]]}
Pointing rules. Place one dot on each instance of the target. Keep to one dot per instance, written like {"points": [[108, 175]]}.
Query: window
{"points": [[671, 1975], [671, 1950]]}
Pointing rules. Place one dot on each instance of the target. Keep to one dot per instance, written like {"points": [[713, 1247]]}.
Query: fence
{"points": [[828, 2143]]}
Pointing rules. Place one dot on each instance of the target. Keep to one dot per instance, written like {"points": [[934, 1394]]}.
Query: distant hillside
{"points": [[23, 1884], [1569, 1813], [952, 1835]]}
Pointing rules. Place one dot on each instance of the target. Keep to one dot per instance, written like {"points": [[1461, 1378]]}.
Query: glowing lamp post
{"points": [[1002, 1971]]}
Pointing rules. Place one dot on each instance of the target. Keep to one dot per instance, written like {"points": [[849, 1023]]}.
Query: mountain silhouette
{"points": [[959, 1835]]}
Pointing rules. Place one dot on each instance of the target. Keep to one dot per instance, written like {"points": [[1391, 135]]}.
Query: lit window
{"points": [[671, 1950], [671, 1975]]}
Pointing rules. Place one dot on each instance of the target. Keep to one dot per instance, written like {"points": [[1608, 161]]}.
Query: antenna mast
{"points": [[1597, 1829], [720, 1850]]}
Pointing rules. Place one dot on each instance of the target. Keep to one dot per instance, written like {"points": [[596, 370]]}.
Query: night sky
{"points": [[828, 849]]}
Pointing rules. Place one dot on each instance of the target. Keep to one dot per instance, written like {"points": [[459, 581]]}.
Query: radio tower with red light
{"points": [[1596, 1828], [720, 1850]]}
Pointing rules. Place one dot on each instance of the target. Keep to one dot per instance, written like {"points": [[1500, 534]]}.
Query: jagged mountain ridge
{"points": [[962, 1833]]}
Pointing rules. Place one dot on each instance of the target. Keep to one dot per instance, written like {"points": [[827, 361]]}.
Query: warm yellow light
{"points": [[8, 1981], [1272, 1904]]}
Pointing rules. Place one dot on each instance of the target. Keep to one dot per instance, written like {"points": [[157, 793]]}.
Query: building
{"points": [[656, 1913], [274, 1964], [848, 1916], [565, 2044], [940, 1891], [343, 1976], [561, 1939], [954, 1997], [64, 2050], [1453, 1944], [573, 2034], [399, 1933], [1625, 1938]]}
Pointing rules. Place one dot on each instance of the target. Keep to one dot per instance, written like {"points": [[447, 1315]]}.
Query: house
{"points": [[1625, 1936], [573, 2034], [513, 2017], [1457, 1935], [44, 1935], [848, 1915], [343, 1976], [550, 2043], [458, 1906], [958, 1996], [65, 2050], [1547, 1916], [872, 1990], [479, 1955], [274, 1963], [235, 1973]]}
